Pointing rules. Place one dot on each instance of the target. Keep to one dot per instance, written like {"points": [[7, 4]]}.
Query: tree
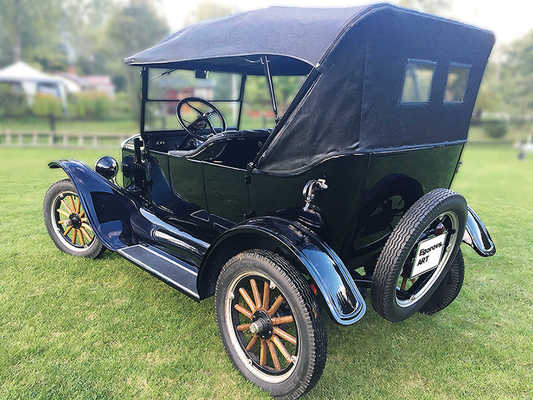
{"points": [[429, 6], [85, 32], [133, 27], [517, 76], [30, 31], [490, 97], [207, 10]]}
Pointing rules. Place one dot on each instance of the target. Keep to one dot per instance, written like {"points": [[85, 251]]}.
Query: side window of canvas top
{"points": [[418, 81], [457, 83]]}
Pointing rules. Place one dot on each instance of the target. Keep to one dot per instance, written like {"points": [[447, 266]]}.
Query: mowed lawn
{"points": [[73, 328]]}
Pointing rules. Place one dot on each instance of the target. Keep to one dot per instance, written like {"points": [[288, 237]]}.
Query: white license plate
{"points": [[428, 255]]}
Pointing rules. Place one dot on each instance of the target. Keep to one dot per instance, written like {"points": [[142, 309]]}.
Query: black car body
{"points": [[380, 121]]}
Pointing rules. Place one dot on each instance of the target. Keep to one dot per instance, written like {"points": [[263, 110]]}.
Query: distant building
{"points": [[93, 83], [31, 81], [98, 83]]}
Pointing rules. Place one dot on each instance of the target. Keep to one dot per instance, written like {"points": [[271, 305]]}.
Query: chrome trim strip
{"points": [[123, 144], [162, 224], [170, 260], [155, 272]]}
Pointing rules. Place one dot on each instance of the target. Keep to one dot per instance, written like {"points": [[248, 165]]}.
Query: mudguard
{"points": [[477, 236], [328, 271], [107, 206]]}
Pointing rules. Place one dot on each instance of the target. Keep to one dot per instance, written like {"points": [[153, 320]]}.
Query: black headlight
{"points": [[107, 167]]}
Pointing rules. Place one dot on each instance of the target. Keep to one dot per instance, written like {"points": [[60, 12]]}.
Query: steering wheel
{"points": [[202, 127]]}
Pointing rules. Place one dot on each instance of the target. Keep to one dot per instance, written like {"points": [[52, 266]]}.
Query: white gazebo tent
{"points": [[33, 81]]}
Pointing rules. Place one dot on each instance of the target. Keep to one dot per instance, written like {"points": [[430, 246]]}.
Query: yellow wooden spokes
{"points": [[243, 327], [86, 226], [255, 292], [247, 299], [266, 295], [64, 203], [67, 230], [281, 348], [262, 353], [272, 310], [288, 319], [274, 355], [73, 209], [252, 342], [268, 345], [71, 204], [85, 233], [243, 311], [63, 212], [284, 335]]}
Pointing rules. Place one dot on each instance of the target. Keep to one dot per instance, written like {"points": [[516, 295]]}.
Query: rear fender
{"points": [[303, 248], [108, 207], [477, 236]]}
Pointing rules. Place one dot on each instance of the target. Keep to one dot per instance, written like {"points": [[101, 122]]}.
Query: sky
{"points": [[509, 20]]}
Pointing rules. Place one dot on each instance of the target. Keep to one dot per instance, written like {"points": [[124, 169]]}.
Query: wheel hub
{"points": [[261, 325], [75, 220]]}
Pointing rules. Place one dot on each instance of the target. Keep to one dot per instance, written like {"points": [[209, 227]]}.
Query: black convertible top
{"points": [[299, 36], [380, 78]]}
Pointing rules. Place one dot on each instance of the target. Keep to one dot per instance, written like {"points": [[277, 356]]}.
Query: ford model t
{"points": [[342, 190]]}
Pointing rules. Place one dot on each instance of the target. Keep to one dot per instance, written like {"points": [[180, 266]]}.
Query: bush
{"points": [[89, 105], [46, 105], [496, 130], [12, 102], [121, 106]]}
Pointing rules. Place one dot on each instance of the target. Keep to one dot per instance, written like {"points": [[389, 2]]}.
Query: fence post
{"points": [[8, 137], [95, 141], [80, 140], [34, 138], [65, 140], [21, 137], [50, 139]]}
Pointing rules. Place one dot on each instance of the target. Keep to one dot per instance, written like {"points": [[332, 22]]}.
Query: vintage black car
{"points": [[347, 191]]}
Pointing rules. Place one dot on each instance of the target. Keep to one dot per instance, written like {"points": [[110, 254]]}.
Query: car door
{"points": [[227, 194], [189, 205]]}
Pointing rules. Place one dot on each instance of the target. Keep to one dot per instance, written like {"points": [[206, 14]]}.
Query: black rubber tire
{"points": [[65, 185], [311, 332], [448, 289], [400, 243]]}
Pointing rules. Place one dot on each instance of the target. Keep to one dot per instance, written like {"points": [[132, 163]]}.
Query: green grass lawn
{"points": [[104, 127], [73, 328]]}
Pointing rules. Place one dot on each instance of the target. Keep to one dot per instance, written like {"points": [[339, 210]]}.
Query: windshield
{"points": [[167, 87]]}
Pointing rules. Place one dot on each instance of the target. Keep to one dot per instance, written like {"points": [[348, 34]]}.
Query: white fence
{"points": [[25, 139]]}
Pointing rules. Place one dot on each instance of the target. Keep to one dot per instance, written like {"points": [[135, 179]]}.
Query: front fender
{"points": [[477, 236], [328, 271], [108, 208]]}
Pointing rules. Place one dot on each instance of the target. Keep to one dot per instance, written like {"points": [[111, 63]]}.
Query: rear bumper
{"points": [[477, 236]]}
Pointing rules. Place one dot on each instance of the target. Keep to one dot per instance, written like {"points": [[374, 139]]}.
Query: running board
{"points": [[171, 270]]}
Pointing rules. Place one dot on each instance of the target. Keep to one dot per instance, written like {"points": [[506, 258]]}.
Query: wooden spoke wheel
{"points": [[264, 324], [71, 221], [270, 323], [67, 221]]}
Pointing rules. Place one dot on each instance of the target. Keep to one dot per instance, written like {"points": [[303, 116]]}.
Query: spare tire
{"points": [[429, 235], [448, 289]]}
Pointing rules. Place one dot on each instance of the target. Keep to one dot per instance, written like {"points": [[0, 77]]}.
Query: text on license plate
{"points": [[428, 255]]}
